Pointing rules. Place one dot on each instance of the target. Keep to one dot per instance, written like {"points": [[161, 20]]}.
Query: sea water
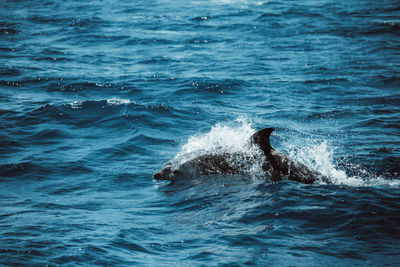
{"points": [[95, 96]]}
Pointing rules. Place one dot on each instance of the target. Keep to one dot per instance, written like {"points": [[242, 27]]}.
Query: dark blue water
{"points": [[96, 95]]}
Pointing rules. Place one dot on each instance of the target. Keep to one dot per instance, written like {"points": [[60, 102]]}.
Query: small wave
{"points": [[388, 81], [54, 51], [88, 22], [118, 101], [7, 49], [82, 86], [51, 59], [9, 145], [205, 86], [46, 112], [334, 81], [21, 168], [109, 102], [49, 136], [49, 19], [147, 41], [329, 114], [202, 18], [76, 104], [10, 83], [387, 26], [9, 72], [53, 84], [8, 31], [157, 60]]}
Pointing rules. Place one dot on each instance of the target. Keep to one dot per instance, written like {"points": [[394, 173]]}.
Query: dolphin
{"points": [[276, 164]]}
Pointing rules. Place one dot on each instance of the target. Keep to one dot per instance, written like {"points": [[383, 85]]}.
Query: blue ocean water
{"points": [[95, 96]]}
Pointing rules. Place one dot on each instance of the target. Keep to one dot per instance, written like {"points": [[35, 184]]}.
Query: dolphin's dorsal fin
{"points": [[261, 138]]}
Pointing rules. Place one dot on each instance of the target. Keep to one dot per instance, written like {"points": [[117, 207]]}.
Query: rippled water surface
{"points": [[95, 96]]}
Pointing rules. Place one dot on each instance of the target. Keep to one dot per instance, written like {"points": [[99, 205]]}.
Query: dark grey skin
{"points": [[276, 164], [209, 164]]}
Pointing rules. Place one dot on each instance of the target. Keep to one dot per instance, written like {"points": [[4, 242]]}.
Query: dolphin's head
{"points": [[166, 173]]}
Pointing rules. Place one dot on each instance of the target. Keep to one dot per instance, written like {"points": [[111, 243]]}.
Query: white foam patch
{"points": [[76, 104], [110, 102], [118, 101]]}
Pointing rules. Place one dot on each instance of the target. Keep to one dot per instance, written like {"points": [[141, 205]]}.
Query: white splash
{"points": [[320, 157], [221, 136]]}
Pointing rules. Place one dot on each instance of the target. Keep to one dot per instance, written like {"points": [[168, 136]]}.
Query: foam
{"points": [[110, 102], [221, 136], [76, 104], [118, 101]]}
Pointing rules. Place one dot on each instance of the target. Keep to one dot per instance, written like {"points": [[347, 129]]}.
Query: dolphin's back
{"points": [[275, 164]]}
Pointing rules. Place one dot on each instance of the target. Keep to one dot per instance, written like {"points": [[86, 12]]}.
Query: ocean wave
{"points": [[24, 168], [8, 31], [79, 104]]}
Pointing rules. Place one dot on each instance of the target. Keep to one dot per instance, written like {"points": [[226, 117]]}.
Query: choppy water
{"points": [[96, 95]]}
